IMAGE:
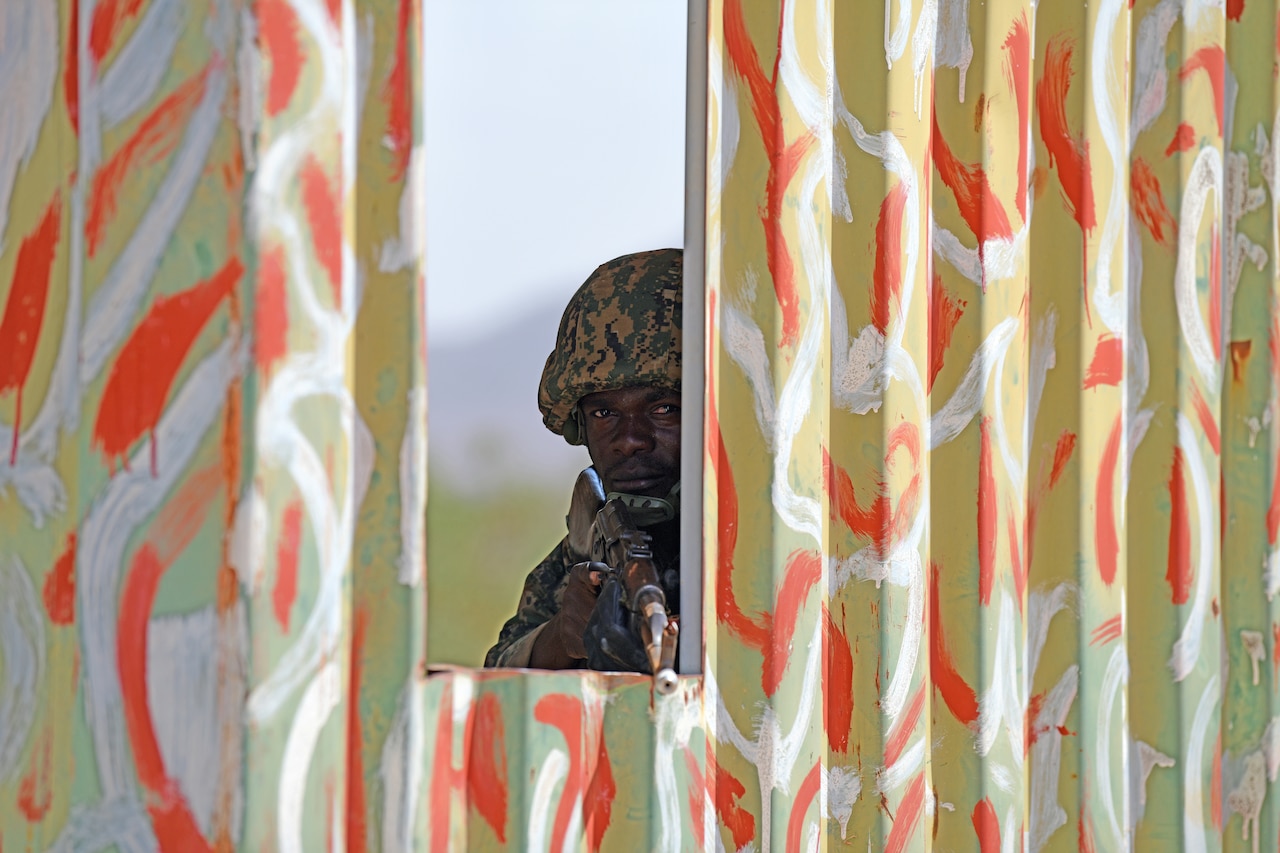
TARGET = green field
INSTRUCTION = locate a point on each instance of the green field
(479, 549)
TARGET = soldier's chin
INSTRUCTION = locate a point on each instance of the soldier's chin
(650, 487)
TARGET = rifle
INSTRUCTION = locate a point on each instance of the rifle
(602, 530)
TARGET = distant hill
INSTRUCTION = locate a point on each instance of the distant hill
(484, 427)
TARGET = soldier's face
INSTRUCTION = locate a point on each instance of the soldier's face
(633, 436)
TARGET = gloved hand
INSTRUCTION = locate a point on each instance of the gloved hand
(576, 607)
(611, 644)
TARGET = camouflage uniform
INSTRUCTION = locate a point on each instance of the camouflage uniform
(621, 329)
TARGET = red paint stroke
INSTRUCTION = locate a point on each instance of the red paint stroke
(35, 791)
(60, 586)
(1017, 72)
(1205, 416)
(987, 826)
(180, 519)
(959, 696)
(987, 516)
(487, 765)
(908, 817)
(1211, 59)
(729, 790)
(138, 385)
(1031, 720)
(1275, 649)
(399, 99)
(1148, 203)
(1107, 366)
(1015, 555)
(24, 309)
(837, 709)
(803, 571)
(108, 19)
(1240, 352)
(335, 11)
(174, 824)
(271, 341)
(869, 523)
(945, 310)
(1061, 456)
(901, 733)
(71, 73)
(442, 773)
(1084, 833)
(1106, 545)
(805, 795)
(156, 137)
(1070, 154)
(1179, 572)
(1235, 8)
(1111, 629)
(979, 207)
(324, 215)
(564, 712)
(697, 795)
(279, 28)
(357, 831)
(728, 612)
(784, 159)
(887, 274)
(286, 589)
(597, 800)
(1184, 139)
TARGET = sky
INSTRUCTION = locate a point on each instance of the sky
(555, 142)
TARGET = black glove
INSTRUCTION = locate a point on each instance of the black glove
(612, 645)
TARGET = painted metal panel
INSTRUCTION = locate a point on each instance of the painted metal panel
(990, 461)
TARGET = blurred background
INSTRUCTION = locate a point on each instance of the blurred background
(555, 142)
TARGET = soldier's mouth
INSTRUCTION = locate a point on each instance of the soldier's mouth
(637, 485)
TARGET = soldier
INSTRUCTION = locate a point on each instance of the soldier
(612, 383)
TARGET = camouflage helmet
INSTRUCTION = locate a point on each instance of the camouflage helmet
(622, 328)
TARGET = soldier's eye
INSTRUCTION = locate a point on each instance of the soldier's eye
(600, 413)
(667, 409)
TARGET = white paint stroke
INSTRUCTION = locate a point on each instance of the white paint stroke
(1041, 608)
(1205, 177)
(1150, 71)
(1271, 747)
(250, 103)
(1193, 822)
(843, 786)
(895, 35)
(1143, 760)
(1115, 676)
(554, 768)
(894, 700)
(136, 72)
(1187, 648)
(773, 753)
(894, 776)
(675, 719)
(401, 769)
(321, 696)
(130, 498)
(923, 44)
(247, 538)
(1043, 358)
(22, 661)
(28, 70)
(92, 827)
(1001, 256)
(954, 48)
(114, 306)
(413, 491)
(1003, 702)
(1109, 87)
(966, 401)
(744, 342)
(407, 250)
(182, 693)
(1046, 814)
(1246, 799)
